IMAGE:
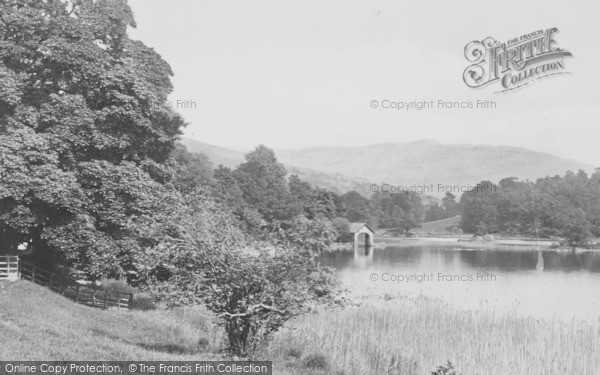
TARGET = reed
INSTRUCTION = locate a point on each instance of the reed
(414, 335)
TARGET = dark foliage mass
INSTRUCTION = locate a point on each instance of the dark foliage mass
(85, 132)
(253, 286)
(567, 207)
(448, 208)
(93, 183)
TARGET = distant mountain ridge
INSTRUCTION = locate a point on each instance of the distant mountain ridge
(344, 168)
(332, 181)
(428, 162)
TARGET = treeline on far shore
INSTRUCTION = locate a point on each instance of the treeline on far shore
(566, 206)
(260, 194)
(264, 198)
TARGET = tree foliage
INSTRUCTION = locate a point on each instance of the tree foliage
(400, 211)
(312, 202)
(85, 132)
(262, 180)
(192, 170)
(567, 207)
(253, 287)
(341, 225)
(316, 235)
(90, 177)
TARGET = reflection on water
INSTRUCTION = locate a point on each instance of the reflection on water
(540, 262)
(363, 256)
(518, 260)
(549, 284)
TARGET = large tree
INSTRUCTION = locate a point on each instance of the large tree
(262, 181)
(85, 131)
(314, 202)
(479, 211)
(401, 211)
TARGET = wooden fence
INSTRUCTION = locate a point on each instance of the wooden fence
(86, 295)
(9, 267)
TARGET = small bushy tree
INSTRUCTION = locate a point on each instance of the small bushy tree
(252, 287)
(341, 226)
(316, 235)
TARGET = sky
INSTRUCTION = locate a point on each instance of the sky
(292, 74)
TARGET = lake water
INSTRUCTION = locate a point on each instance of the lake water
(548, 284)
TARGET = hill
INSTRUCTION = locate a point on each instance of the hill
(429, 162)
(332, 181)
(218, 155)
(422, 163)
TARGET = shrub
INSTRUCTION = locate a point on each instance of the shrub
(143, 302)
(447, 369)
(203, 344)
(315, 362)
(317, 234)
(555, 245)
(294, 353)
(341, 226)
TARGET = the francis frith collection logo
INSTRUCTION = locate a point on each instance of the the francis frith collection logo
(515, 63)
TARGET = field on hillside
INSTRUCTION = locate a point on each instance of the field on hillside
(438, 227)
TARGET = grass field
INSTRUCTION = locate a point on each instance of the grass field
(397, 335)
(438, 227)
(37, 324)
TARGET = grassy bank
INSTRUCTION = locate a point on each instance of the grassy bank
(36, 324)
(415, 335)
(394, 336)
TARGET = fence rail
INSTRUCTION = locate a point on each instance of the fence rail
(9, 267)
(79, 293)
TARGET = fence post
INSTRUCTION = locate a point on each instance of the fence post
(77, 294)
(105, 298)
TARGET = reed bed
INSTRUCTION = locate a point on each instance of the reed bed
(414, 335)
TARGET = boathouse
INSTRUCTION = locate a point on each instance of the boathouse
(356, 230)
